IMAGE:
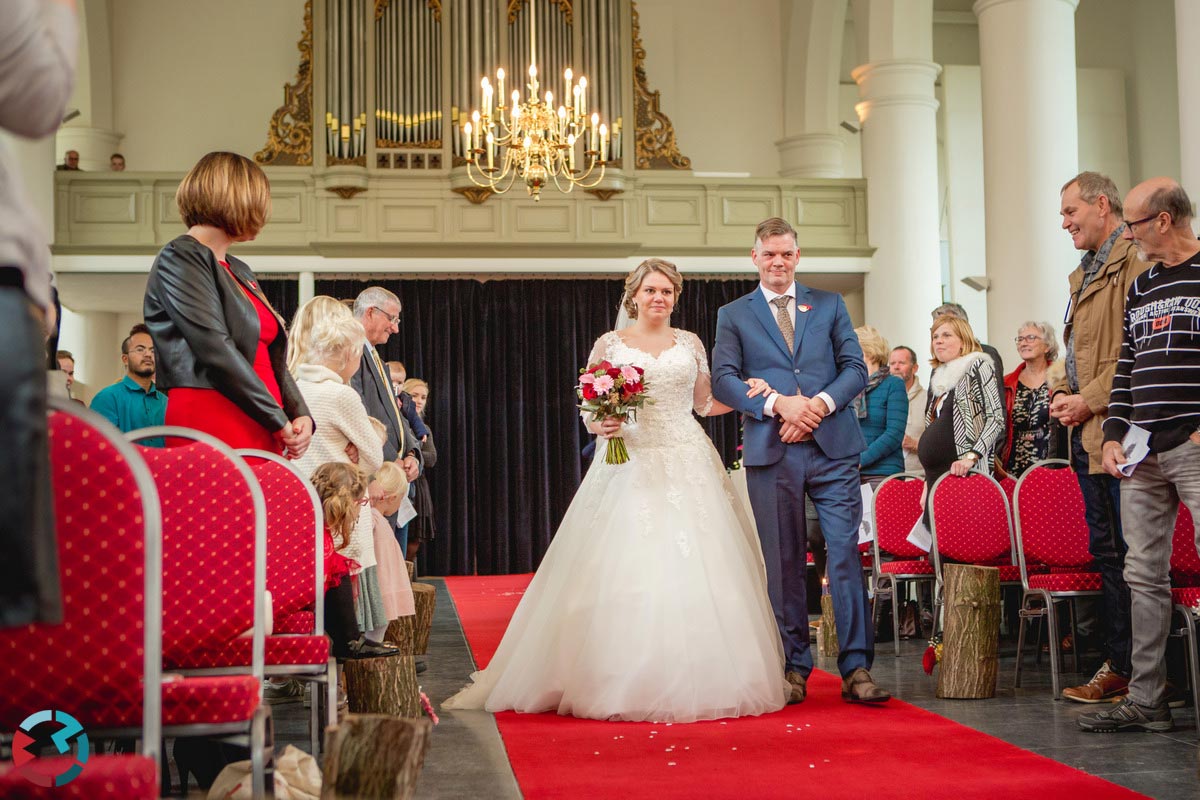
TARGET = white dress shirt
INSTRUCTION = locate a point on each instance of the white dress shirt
(769, 406)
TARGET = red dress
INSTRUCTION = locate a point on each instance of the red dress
(211, 412)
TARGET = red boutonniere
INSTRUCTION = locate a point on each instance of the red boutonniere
(803, 308)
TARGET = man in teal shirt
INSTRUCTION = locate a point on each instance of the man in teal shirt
(134, 402)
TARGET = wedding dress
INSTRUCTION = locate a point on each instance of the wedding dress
(651, 602)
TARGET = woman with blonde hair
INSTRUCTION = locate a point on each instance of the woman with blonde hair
(651, 602)
(332, 353)
(319, 308)
(964, 413)
(882, 410)
(221, 348)
(422, 529)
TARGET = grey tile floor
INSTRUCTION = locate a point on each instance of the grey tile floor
(467, 759)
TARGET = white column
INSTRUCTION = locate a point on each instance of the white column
(812, 56)
(1187, 28)
(1030, 149)
(898, 113)
(307, 286)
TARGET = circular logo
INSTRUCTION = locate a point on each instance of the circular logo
(50, 771)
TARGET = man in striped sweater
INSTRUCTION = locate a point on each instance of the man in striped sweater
(1156, 389)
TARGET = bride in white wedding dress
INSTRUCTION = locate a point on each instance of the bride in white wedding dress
(651, 601)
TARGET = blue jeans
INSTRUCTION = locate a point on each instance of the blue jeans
(1106, 543)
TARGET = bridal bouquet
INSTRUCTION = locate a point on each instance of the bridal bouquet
(608, 391)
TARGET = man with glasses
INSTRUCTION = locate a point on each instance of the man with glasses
(378, 311)
(134, 402)
(1091, 213)
(1155, 398)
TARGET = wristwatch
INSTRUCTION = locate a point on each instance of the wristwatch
(972, 456)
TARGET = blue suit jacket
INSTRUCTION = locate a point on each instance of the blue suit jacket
(827, 359)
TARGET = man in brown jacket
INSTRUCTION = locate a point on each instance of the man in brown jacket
(1091, 212)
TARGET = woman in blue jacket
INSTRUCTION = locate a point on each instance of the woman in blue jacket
(882, 410)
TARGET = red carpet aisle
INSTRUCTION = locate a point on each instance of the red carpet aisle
(822, 748)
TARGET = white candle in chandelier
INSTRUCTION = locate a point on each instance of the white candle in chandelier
(486, 86)
(568, 75)
(467, 140)
(500, 84)
(578, 108)
(491, 148)
(582, 96)
(478, 128)
(603, 142)
(617, 138)
(595, 131)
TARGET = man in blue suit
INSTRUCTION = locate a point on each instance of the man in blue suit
(803, 437)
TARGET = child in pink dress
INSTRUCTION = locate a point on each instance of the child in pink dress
(388, 487)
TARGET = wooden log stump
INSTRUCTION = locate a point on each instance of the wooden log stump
(383, 686)
(412, 570)
(827, 641)
(402, 633)
(971, 639)
(374, 756)
(425, 597)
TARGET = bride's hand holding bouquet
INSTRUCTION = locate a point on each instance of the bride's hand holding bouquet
(612, 395)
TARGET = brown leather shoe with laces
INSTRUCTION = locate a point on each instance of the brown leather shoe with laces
(1104, 686)
(860, 687)
(799, 686)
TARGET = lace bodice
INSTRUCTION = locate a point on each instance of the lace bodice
(678, 381)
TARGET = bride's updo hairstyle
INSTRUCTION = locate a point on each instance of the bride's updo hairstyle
(633, 281)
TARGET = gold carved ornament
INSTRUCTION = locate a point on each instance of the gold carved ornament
(514, 8)
(434, 5)
(289, 137)
(654, 143)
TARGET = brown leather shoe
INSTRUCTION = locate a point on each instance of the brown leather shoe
(1104, 687)
(799, 686)
(859, 687)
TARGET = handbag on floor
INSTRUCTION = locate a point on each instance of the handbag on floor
(297, 777)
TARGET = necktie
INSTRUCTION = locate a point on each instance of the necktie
(387, 384)
(785, 320)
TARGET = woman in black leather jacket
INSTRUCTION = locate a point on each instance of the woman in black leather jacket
(221, 348)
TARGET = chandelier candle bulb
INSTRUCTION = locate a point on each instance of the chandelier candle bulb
(491, 148)
(571, 152)
(595, 131)
(568, 75)
(603, 142)
(467, 140)
(583, 84)
(500, 83)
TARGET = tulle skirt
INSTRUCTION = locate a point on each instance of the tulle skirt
(650, 603)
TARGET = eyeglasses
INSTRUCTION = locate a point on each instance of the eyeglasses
(142, 350)
(391, 320)
(362, 501)
(1130, 223)
(1033, 337)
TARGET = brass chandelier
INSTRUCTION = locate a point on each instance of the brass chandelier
(534, 141)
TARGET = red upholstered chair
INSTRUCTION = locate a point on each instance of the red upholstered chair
(101, 664)
(897, 507)
(295, 577)
(971, 524)
(214, 582)
(1051, 531)
(1185, 596)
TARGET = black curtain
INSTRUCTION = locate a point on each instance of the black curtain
(502, 358)
(283, 294)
